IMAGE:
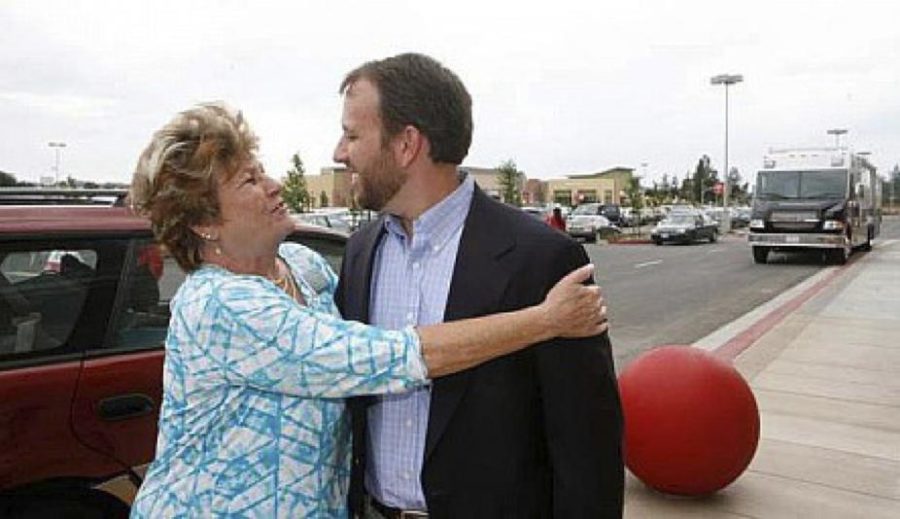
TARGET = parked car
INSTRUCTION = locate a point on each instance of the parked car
(81, 353)
(352, 219)
(587, 222)
(538, 212)
(611, 212)
(328, 220)
(685, 228)
(629, 217)
(740, 217)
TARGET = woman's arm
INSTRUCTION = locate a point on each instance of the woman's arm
(569, 310)
(258, 336)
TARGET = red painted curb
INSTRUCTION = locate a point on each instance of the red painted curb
(740, 342)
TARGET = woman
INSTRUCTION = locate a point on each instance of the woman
(556, 220)
(258, 360)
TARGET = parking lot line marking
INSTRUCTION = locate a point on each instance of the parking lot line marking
(646, 264)
(713, 250)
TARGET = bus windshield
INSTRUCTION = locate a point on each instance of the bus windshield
(789, 185)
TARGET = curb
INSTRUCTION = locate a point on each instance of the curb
(742, 340)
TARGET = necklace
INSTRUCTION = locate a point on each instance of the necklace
(286, 282)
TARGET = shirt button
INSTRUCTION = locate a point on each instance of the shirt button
(416, 265)
(406, 475)
(409, 423)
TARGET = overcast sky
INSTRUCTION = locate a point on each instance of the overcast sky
(560, 87)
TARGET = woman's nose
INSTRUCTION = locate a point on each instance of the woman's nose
(274, 185)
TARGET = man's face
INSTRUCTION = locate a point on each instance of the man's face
(377, 178)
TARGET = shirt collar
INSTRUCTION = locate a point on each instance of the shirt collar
(439, 222)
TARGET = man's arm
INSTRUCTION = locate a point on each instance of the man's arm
(583, 418)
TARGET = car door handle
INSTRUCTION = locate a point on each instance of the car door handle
(122, 407)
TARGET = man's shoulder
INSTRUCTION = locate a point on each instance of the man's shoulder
(527, 229)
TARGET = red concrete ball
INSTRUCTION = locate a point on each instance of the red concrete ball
(691, 421)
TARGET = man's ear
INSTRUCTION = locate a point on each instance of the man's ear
(411, 144)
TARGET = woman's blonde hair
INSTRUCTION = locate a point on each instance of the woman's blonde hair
(174, 184)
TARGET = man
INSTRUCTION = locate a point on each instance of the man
(534, 434)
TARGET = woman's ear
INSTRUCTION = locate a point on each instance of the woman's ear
(206, 232)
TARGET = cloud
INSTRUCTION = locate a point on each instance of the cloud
(69, 106)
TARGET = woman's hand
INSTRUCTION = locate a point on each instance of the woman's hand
(575, 310)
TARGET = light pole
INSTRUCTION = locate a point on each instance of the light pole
(727, 80)
(837, 132)
(56, 147)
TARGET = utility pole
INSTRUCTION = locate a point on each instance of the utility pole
(837, 132)
(57, 146)
(727, 80)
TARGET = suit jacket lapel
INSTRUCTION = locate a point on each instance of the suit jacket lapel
(479, 281)
(361, 266)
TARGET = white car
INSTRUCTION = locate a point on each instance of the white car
(588, 226)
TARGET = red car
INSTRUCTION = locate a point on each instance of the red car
(84, 309)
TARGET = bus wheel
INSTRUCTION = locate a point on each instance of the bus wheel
(868, 245)
(840, 256)
(760, 254)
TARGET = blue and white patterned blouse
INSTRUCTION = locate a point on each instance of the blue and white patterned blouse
(253, 422)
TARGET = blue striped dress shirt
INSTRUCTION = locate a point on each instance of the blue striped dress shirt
(410, 285)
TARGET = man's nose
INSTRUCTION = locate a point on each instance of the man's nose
(340, 152)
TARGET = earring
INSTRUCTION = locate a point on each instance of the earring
(209, 237)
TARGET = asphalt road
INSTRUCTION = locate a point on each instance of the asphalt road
(677, 294)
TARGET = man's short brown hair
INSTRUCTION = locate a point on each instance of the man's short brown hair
(416, 90)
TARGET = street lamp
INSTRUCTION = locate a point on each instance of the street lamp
(837, 132)
(56, 147)
(727, 80)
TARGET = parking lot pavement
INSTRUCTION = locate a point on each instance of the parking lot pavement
(825, 369)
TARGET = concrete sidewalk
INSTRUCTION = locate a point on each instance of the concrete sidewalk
(827, 382)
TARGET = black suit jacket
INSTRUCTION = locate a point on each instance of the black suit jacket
(533, 434)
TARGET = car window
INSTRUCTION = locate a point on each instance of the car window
(331, 250)
(585, 209)
(149, 282)
(152, 278)
(43, 292)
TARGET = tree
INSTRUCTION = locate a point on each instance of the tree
(294, 192)
(704, 178)
(510, 181)
(7, 179)
(635, 196)
(687, 191)
(737, 191)
(892, 191)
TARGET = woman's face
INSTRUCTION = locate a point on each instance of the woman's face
(254, 218)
